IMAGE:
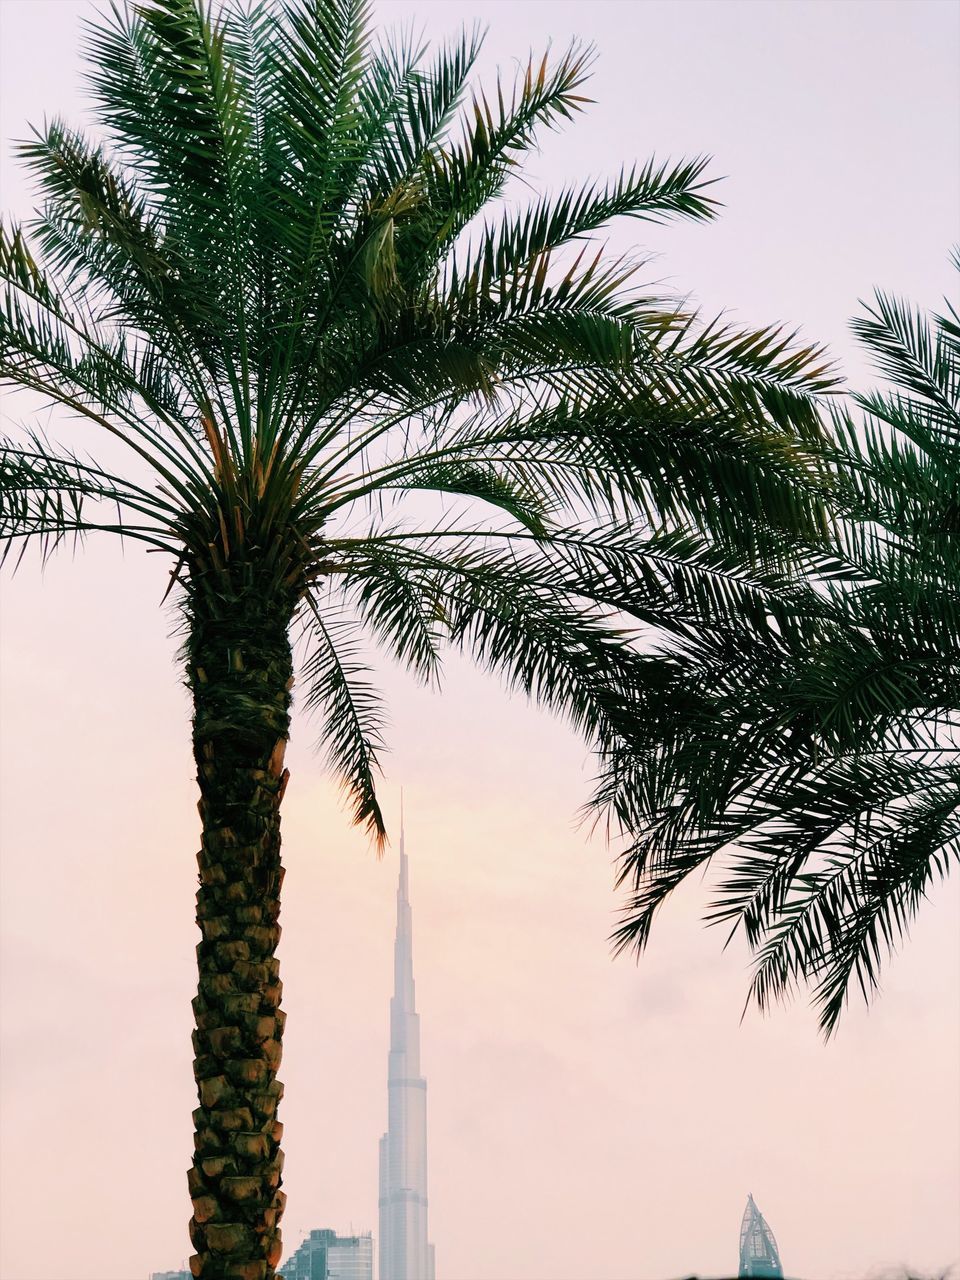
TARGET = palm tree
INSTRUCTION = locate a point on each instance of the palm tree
(270, 290)
(822, 769)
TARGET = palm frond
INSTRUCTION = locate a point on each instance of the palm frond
(822, 771)
(46, 495)
(338, 686)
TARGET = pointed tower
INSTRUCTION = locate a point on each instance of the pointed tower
(758, 1248)
(405, 1253)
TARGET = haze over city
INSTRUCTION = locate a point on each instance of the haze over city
(590, 1118)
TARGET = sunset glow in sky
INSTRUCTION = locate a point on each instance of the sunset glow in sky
(589, 1118)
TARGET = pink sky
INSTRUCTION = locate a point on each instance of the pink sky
(589, 1119)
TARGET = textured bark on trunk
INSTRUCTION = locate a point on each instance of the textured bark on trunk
(240, 673)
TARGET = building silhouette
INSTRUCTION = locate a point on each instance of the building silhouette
(326, 1256)
(405, 1253)
(758, 1248)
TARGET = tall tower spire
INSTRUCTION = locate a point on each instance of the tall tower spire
(405, 1253)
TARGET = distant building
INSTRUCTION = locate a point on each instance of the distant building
(171, 1275)
(758, 1248)
(405, 1250)
(326, 1256)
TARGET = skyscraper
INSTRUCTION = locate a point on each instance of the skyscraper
(758, 1248)
(326, 1256)
(405, 1253)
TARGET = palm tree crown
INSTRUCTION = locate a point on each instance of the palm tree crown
(291, 290)
(271, 287)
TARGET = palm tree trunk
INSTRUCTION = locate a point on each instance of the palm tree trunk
(240, 673)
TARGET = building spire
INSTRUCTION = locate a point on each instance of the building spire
(404, 887)
(405, 1252)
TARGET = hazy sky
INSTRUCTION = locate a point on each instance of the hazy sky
(589, 1120)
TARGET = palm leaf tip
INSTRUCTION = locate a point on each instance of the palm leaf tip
(338, 687)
